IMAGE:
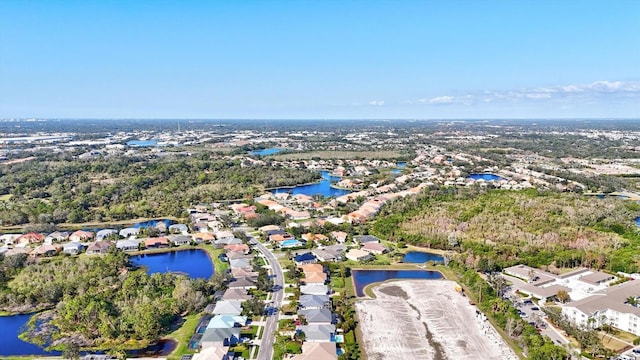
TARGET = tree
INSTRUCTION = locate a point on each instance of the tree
(562, 296)
(71, 351)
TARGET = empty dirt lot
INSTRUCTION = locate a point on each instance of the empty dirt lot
(426, 319)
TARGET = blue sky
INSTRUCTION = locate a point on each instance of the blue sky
(319, 59)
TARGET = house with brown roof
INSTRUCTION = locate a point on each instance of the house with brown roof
(44, 250)
(99, 248)
(30, 238)
(375, 248)
(81, 235)
(156, 243)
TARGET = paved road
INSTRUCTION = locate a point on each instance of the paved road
(268, 336)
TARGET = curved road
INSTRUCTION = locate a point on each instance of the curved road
(268, 336)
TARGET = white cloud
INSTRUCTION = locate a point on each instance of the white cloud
(594, 89)
(376, 102)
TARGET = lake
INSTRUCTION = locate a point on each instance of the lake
(153, 223)
(638, 221)
(10, 328)
(485, 177)
(265, 152)
(143, 143)
(323, 187)
(419, 257)
(193, 262)
(362, 278)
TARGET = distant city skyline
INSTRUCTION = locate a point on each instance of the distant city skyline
(319, 60)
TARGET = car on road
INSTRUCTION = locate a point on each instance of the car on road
(636, 351)
(527, 302)
(535, 308)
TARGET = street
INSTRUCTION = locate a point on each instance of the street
(266, 345)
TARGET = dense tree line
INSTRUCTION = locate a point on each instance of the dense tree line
(493, 229)
(77, 191)
(100, 301)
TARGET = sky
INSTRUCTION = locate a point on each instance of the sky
(332, 59)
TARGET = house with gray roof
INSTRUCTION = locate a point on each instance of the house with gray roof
(228, 307)
(104, 233)
(129, 232)
(128, 245)
(179, 240)
(219, 337)
(179, 228)
(241, 283)
(236, 294)
(317, 316)
(314, 289)
(72, 248)
(315, 302)
(240, 263)
(318, 332)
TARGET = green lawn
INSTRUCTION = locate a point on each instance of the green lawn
(183, 335)
(6, 197)
(215, 256)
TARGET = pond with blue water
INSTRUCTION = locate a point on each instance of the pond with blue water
(143, 143)
(420, 257)
(486, 177)
(362, 278)
(10, 328)
(193, 262)
(153, 223)
(322, 187)
(265, 152)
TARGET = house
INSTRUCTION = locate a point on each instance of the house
(211, 353)
(30, 238)
(306, 258)
(219, 244)
(242, 272)
(179, 240)
(72, 248)
(219, 337)
(314, 302)
(317, 334)
(314, 289)
(9, 239)
(99, 248)
(179, 229)
(236, 294)
(374, 248)
(128, 245)
(129, 232)
(358, 255)
(56, 236)
(268, 228)
(156, 243)
(81, 235)
(224, 234)
(240, 263)
(241, 283)
(325, 256)
(228, 307)
(203, 237)
(317, 316)
(161, 227)
(363, 239)
(339, 236)
(314, 278)
(227, 321)
(234, 255)
(44, 250)
(240, 248)
(104, 233)
(17, 251)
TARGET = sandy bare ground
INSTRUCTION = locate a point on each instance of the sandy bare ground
(426, 319)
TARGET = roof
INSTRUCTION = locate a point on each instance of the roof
(613, 298)
(228, 307)
(98, 246)
(316, 350)
(597, 277)
(239, 263)
(220, 334)
(366, 238)
(236, 294)
(304, 257)
(72, 245)
(312, 268)
(310, 301)
(357, 253)
(317, 315)
(374, 247)
(156, 241)
(314, 289)
(128, 243)
(226, 321)
(314, 277)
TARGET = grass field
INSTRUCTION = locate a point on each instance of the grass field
(6, 197)
(182, 335)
